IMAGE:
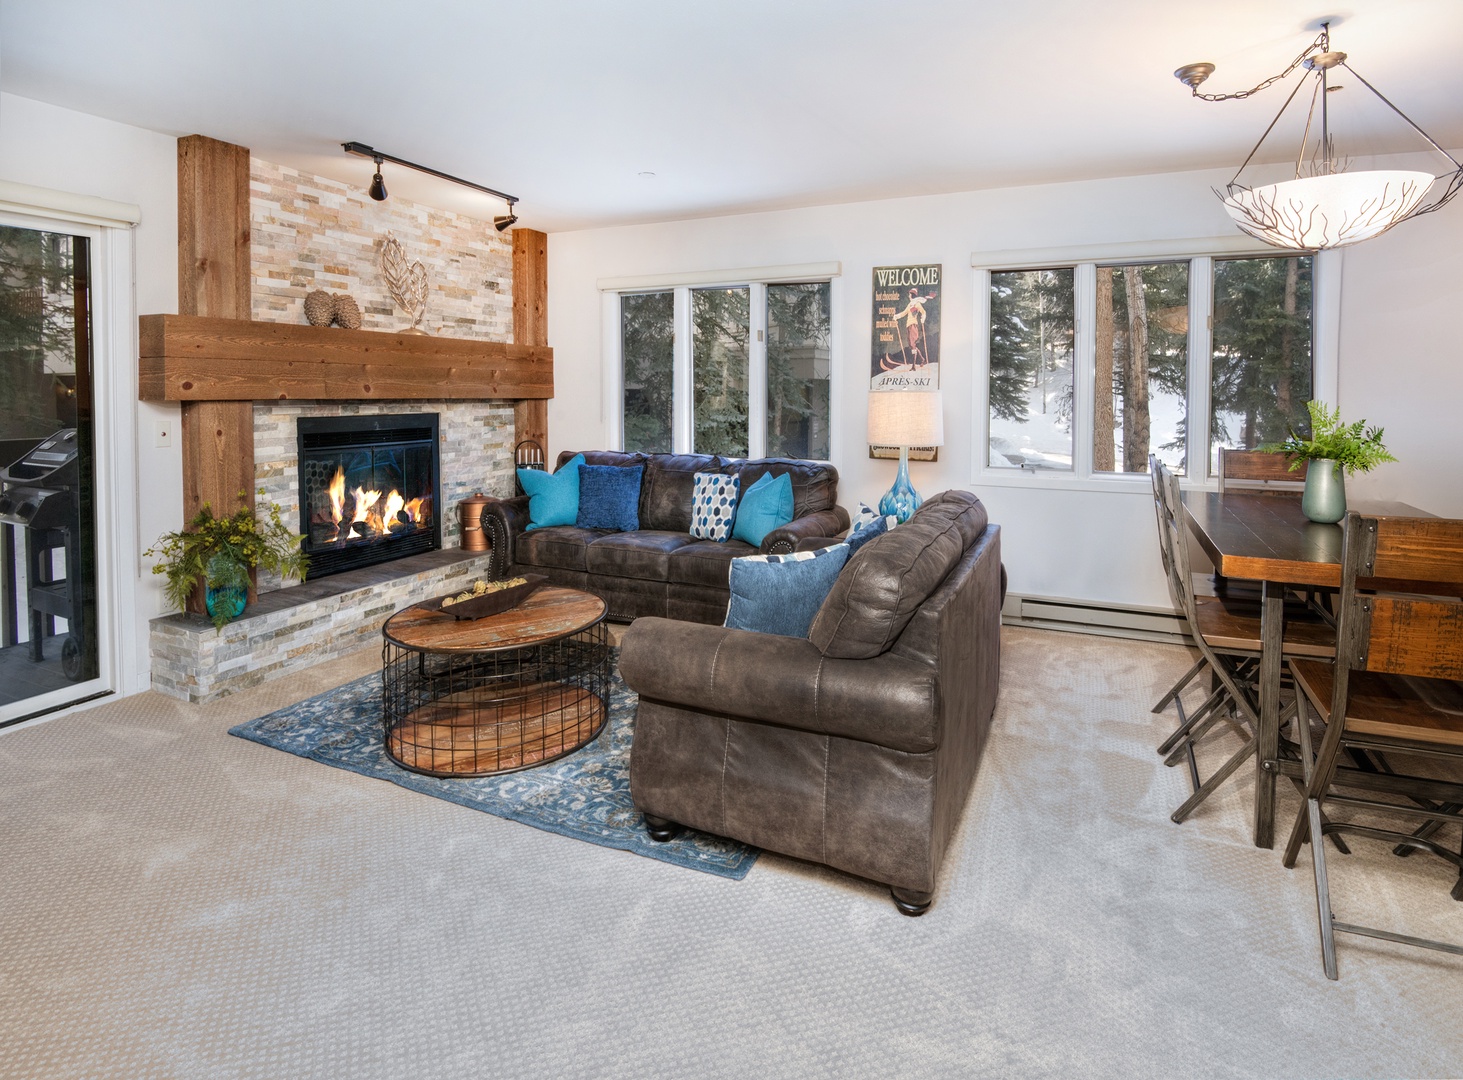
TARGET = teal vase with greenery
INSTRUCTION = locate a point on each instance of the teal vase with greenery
(1332, 450)
(219, 553)
(1324, 498)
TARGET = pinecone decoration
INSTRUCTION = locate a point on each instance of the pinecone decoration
(320, 308)
(347, 311)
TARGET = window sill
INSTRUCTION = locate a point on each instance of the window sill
(1045, 480)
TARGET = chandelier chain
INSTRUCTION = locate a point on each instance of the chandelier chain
(1322, 43)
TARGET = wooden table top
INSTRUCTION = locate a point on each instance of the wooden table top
(549, 613)
(1266, 537)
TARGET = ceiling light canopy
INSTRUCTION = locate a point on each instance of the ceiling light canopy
(377, 190)
(1325, 205)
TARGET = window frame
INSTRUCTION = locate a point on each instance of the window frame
(1200, 253)
(755, 280)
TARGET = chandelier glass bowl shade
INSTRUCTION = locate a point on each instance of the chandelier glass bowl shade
(1316, 212)
(1326, 205)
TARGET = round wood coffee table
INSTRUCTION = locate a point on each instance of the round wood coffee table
(473, 697)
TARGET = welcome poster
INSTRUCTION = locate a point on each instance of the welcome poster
(906, 353)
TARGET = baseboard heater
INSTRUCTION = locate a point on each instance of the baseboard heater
(1094, 617)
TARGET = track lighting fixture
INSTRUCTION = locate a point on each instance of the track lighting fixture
(377, 190)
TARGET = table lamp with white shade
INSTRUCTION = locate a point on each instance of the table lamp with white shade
(905, 418)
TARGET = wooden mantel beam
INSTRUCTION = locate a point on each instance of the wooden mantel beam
(190, 358)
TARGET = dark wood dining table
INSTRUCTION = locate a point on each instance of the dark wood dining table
(1265, 537)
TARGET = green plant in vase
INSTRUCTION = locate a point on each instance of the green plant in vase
(219, 553)
(1333, 449)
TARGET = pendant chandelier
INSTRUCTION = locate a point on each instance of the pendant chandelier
(1325, 205)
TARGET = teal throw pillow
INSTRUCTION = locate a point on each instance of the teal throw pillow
(765, 506)
(553, 498)
(780, 594)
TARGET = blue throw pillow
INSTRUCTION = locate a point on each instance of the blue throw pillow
(609, 497)
(780, 594)
(765, 506)
(713, 505)
(553, 498)
(861, 536)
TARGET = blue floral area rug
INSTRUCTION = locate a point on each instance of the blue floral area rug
(585, 795)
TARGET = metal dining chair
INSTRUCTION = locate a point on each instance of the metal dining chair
(1229, 646)
(1394, 690)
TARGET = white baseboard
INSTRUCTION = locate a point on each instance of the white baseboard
(1095, 617)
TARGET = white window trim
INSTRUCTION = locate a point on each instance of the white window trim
(108, 227)
(1200, 252)
(755, 280)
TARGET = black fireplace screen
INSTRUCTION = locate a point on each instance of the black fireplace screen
(368, 489)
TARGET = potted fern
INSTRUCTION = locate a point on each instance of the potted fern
(1332, 450)
(219, 553)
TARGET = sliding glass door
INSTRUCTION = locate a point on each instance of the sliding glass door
(48, 566)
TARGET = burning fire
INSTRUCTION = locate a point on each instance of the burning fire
(373, 513)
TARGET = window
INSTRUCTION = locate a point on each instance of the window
(749, 377)
(721, 323)
(1260, 375)
(646, 336)
(798, 366)
(1093, 366)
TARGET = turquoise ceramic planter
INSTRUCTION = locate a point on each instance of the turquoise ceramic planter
(1325, 495)
(228, 602)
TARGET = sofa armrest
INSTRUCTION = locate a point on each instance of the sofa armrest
(504, 521)
(819, 523)
(890, 700)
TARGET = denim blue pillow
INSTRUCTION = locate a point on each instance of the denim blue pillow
(765, 506)
(553, 498)
(609, 497)
(780, 594)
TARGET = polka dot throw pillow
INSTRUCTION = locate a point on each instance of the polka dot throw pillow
(714, 506)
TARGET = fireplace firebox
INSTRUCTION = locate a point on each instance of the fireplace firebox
(369, 489)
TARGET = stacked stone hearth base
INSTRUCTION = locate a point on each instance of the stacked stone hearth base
(289, 629)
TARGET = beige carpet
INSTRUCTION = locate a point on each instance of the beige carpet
(177, 902)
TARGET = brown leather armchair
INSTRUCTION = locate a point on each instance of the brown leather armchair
(855, 747)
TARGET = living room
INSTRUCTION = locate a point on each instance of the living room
(627, 208)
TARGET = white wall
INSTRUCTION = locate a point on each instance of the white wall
(1398, 366)
(68, 151)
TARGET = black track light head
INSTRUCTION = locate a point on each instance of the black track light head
(502, 223)
(377, 190)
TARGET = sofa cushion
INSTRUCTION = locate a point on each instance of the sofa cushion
(713, 505)
(874, 599)
(765, 506)
(558, 545)
(669, 485)
(780, 594)
(707, 562)
(609, 497)
(644, 554)
(553, 498)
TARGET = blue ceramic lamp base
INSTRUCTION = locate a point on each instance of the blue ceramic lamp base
(901, 500)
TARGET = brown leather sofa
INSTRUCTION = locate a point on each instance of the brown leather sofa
(855, 747)
(660, 569)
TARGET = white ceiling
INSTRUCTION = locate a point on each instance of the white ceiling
(733, 106)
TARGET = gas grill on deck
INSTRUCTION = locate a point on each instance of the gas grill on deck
(39, 493)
